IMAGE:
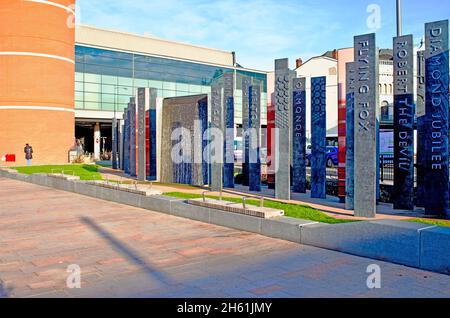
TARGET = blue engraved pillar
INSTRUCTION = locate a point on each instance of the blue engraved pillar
(246, 83)
(404, 111)
(114, 143)
(126, 141)
(152, 92)
(350, 136)
(133, 145)
(299, 135)
(318, 137)
(142, 98)
(436, 137)
(255, 138)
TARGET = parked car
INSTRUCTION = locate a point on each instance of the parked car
(331, 160)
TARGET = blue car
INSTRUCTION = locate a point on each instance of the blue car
(331, 160)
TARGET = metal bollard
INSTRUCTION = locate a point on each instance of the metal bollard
(220, 195)
(244, 205)
(204, 196)
(261, 202)
(135, 185)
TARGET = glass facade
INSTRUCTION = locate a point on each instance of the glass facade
(105, 80)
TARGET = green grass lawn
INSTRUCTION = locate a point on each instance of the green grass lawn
(85, 172)
(291, 210)
(445, 223)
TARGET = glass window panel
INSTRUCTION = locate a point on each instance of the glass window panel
(92, 97)
(167, 93)
(79, 77)
(206, 89)
(123, 99)
(91, 105)
(125, 81)
(140, 83)
(121, 106)
(79, 67)
(92, 78)
(169, 86)
(125, 90)
(79, 96)
(79, 104)
(124, 72)
(108, 89)
(180, 93)
(91, 87)
(182, 87)
(109, 98)
(79, 86)
(108, 107)
(106, 79)
(197, 89)
(155, 84)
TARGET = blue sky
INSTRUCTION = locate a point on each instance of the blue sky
(260, 31)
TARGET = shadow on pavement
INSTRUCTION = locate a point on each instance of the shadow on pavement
(5, 292)
(129, 253)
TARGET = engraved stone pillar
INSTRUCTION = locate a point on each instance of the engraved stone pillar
(366, 68)
(228, 95)
(299, 135)
(120, 144)
(282, 124)
(126, 141)
(436, 120)
(421, 130)
(152, 95)
(404, 111)
(133, 145)
(141, 102)
(350, 137)
(217, 125)
(114, 141)
(318, 137)
(255, 138)
(246, 83)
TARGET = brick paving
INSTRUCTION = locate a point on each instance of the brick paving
(129, 252)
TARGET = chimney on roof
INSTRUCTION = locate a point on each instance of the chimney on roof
(335, 54)
(298, 63)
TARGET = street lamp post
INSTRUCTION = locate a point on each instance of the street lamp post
(399, 18)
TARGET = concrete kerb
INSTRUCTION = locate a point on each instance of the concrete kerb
(406, 243)
(284, 228)
(435, 249)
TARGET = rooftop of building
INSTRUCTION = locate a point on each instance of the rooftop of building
(150, 45)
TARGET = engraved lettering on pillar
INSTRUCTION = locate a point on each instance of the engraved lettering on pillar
(282, 123)
(366, 68)
(436, 118)
(350, 136)
(299, 135)
(404, 110)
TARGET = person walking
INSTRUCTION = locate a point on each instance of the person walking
(28, 154)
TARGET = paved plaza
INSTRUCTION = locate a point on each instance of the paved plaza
(129, 252)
